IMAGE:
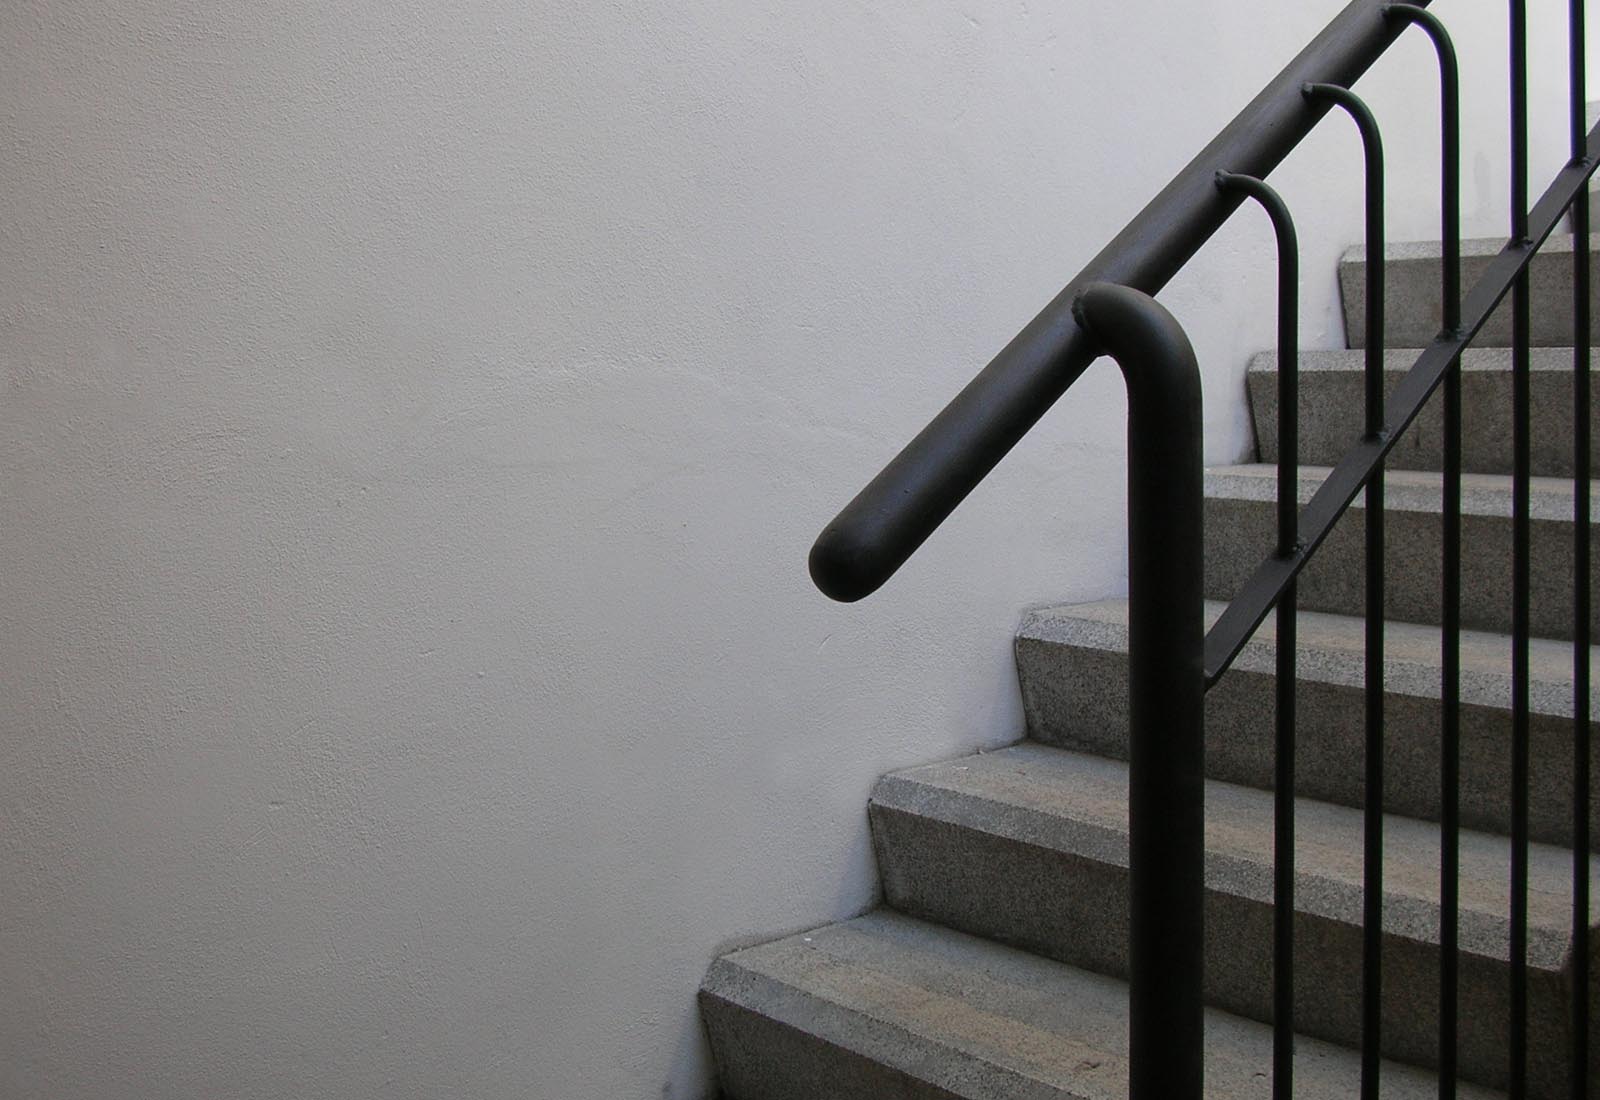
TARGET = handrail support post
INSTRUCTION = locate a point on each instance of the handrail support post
(1166, 636)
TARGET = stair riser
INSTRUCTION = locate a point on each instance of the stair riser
(1331, 422)
(1239, 533)
(1412, 314)
(1074, 909)
(760, 1058)
(1077, 697)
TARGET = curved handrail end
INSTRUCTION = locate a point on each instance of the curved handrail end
(842, 565)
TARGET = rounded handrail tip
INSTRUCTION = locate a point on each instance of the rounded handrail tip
(840, 567)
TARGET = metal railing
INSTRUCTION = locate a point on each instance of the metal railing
(1173, 660)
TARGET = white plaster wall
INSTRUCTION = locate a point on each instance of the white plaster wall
(413, 421)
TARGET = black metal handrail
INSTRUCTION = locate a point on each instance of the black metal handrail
(1106, 310)
(877, 531)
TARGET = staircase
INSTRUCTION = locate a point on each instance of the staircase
(996, 967)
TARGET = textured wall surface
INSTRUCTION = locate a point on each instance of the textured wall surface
(413, 420)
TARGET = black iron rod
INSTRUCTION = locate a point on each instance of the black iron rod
(1255, 600)
(895, 513)
(1450, 587)
(1372, 854)
(1166, 628)
(1582, 596)
(1517, 1080)
(1283, 908)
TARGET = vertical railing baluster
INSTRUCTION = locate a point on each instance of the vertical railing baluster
(1450, 557)
(1372, 881)
(1288, 542)
(1520, 560)
(1450, 633)
(1579, 1079)
(1372, 856)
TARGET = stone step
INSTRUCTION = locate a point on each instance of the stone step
(1332, 396)
(1412, 313)
(1028, 846)
(1073, 667)
(1241, 529)
(887, 1006)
